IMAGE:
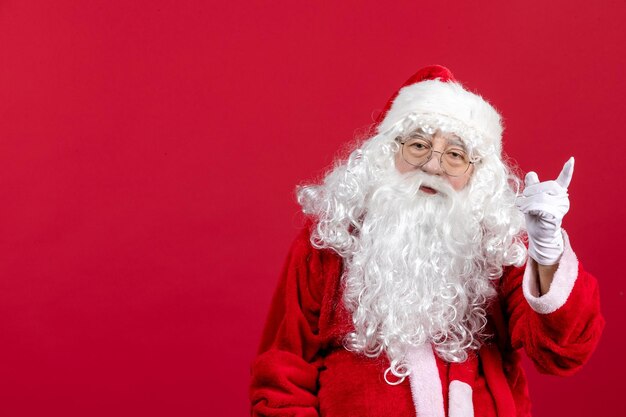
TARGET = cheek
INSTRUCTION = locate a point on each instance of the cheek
(458, 183)
(401, 165)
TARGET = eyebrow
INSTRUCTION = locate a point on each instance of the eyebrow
(419, 131)
(455, 140)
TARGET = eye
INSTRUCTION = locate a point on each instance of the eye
(456, 154)
(419, 145)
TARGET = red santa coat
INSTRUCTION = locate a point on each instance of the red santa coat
(303, 369)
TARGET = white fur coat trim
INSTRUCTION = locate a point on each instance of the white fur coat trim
(562, 284)
(425, 382)
(460, 400)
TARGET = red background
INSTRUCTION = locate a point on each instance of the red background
(149, 153)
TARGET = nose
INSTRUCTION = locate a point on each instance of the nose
(433, 165)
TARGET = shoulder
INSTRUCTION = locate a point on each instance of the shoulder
(303, 247)
(314, 267)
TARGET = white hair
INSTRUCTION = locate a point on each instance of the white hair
(417, 268)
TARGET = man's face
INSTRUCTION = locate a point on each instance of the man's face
(440, 142)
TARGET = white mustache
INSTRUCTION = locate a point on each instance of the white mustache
(420, 178)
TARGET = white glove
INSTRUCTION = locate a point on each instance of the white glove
(544, 204)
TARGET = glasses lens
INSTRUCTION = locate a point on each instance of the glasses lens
(416, 151)
(455, 161)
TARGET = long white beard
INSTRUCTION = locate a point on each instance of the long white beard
(416, 274)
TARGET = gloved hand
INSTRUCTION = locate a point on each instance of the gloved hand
(544, 204)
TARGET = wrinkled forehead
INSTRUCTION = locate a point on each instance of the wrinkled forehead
(451, 138)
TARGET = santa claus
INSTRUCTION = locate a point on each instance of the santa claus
(411, 291)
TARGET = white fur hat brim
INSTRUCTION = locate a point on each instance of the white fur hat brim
(449, 107)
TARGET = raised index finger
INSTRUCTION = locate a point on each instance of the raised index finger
(565, 177)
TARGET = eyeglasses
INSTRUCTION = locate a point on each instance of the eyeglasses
(417, 150)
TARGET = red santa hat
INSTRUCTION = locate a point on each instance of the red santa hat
(432, 98)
